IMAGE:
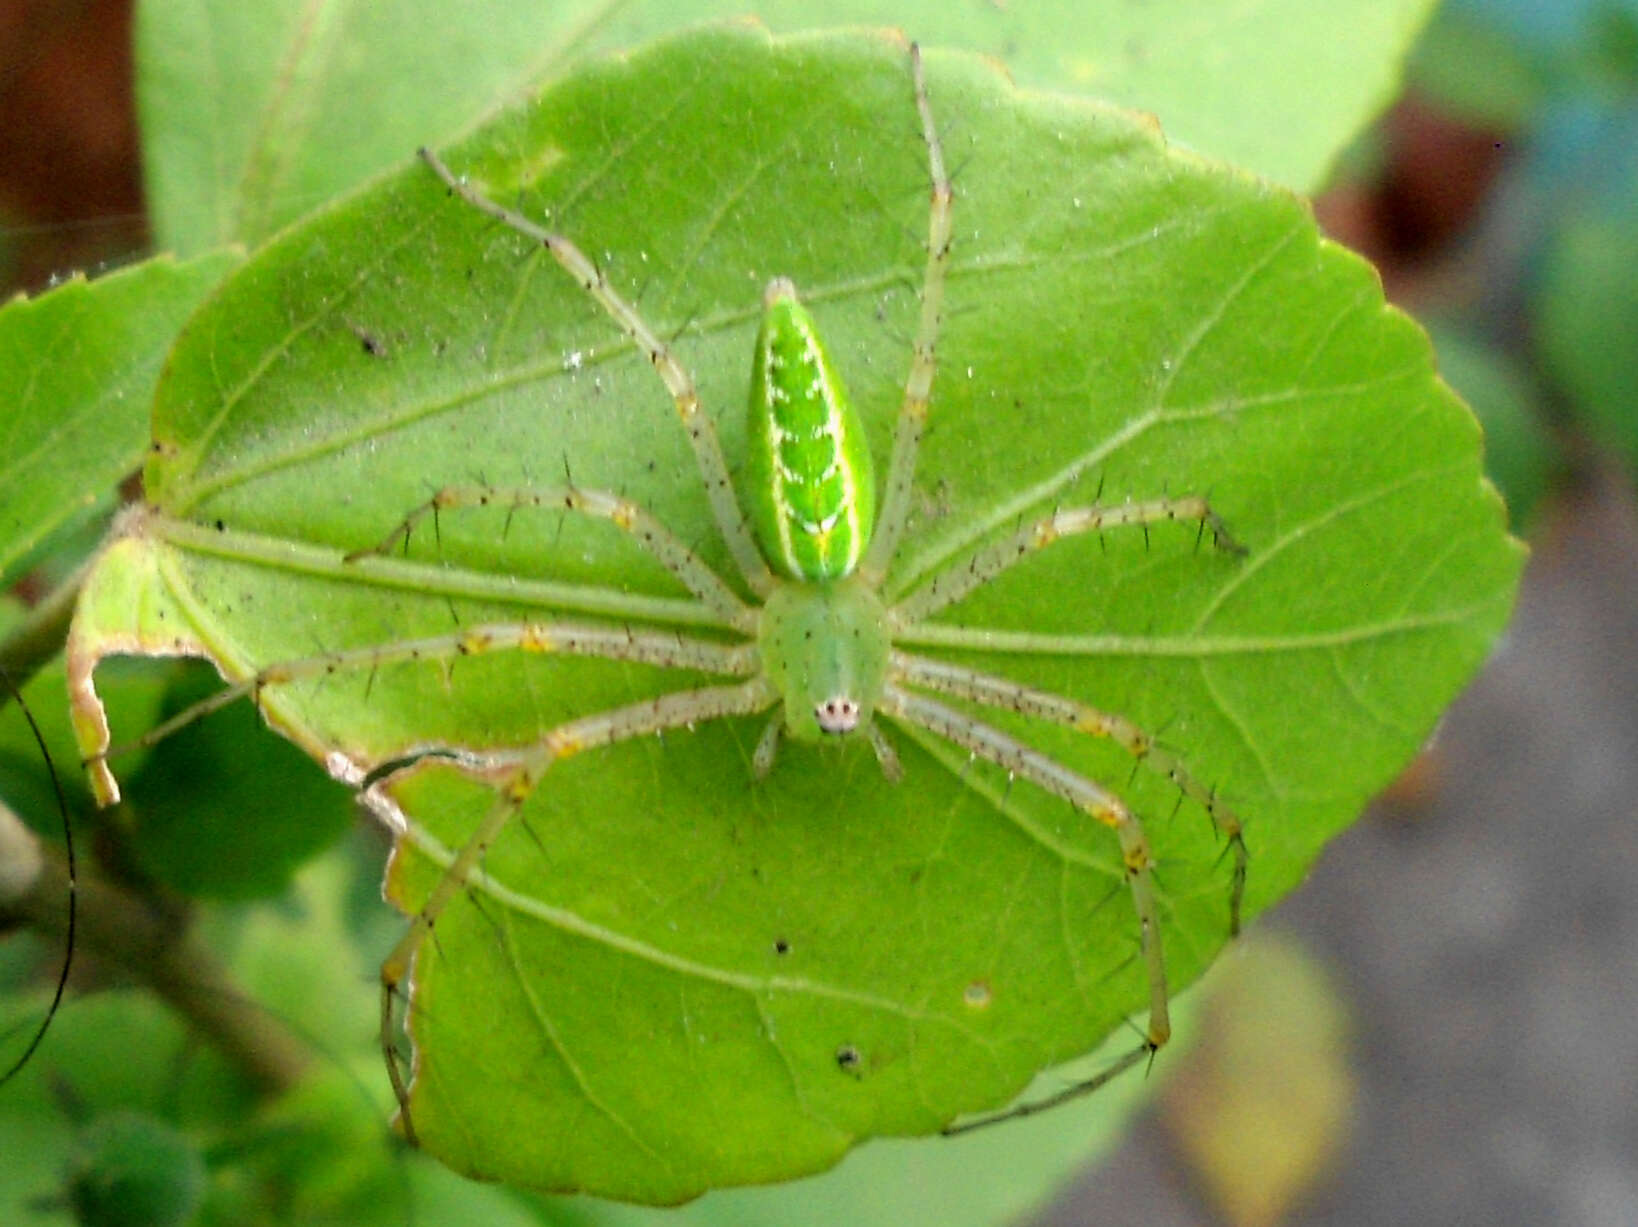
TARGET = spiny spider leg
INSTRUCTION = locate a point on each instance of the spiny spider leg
(886, 755)
(665, 546)
(959, 579)
(667, 711)
(964, 683)
(666, 648)
(767, 745)
(918, 384)
(702, 431)
(1087, 1086)
(987, 742)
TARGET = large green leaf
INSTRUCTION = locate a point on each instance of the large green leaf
(254, 113)
(984, 1178)
(645, 991)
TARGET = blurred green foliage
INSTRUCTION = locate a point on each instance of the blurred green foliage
(1551, 334)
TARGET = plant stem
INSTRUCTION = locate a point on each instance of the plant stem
(130, 933)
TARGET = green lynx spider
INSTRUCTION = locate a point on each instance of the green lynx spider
(817, 649)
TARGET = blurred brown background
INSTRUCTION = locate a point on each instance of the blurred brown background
(70, 185)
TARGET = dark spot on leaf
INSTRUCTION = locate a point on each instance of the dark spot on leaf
(369, 341)
(848, 1059)
(781, 946)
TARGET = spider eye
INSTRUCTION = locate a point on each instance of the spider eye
(838, 714)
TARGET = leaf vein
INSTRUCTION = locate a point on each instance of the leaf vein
(567, 921)
(548, 1030)
(988, 639)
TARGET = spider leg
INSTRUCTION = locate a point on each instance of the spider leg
(702, 432)
(989, 743)
(886, 755)
(961, 682)
(528, 767)
(660, 542)
(918, 384)
(767, 745)
(957, 580)
(654, 647)
(1085, 1087)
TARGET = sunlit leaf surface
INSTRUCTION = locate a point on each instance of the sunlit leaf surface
(649, 989)
(253, 114)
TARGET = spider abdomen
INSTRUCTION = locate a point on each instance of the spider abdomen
(811, 492)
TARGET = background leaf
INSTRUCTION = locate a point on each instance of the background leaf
(182, 822)
(79, 363)
(668, 955)
(1588, 314)
(321, 1155)
(324, 96)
